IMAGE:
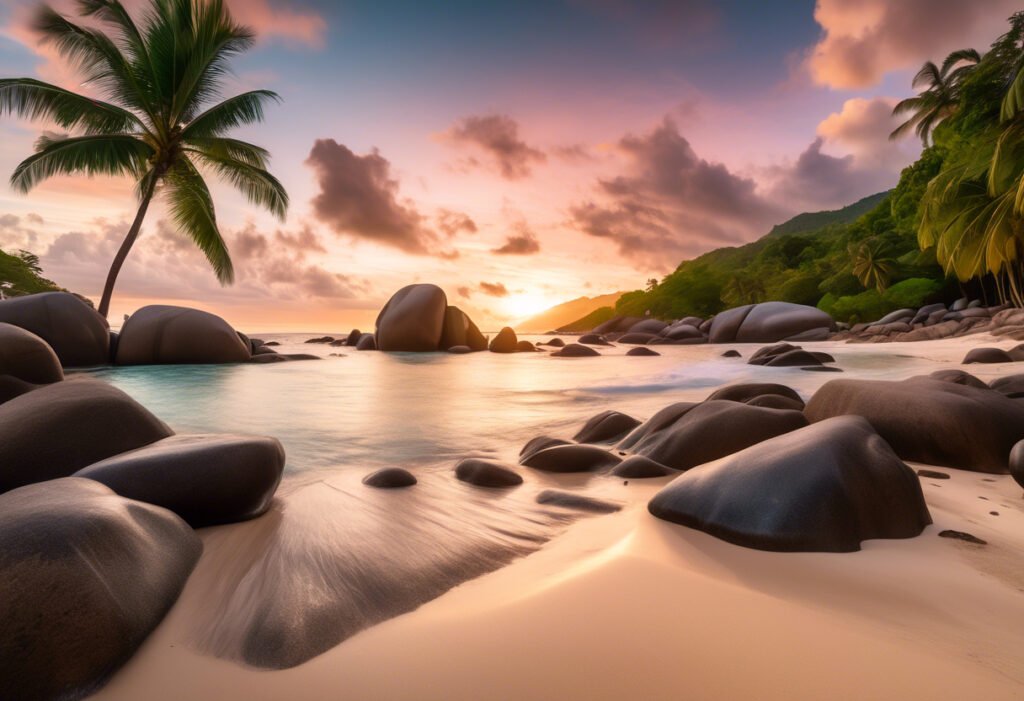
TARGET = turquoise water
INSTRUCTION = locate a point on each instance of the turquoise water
(370, 409)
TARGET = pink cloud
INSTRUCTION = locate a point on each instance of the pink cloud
(863, 40)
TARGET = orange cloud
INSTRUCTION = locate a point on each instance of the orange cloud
(865, 39)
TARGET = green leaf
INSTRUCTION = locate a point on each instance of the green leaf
(191, 207)
(107, 154)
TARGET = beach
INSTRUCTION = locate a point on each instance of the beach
(628, 606)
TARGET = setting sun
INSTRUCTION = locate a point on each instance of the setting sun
(522, 305)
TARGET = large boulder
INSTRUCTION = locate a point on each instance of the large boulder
(930, 421)
(367, 342)
(712, 430)
(165, 335)
(767, 322)
(11, 387)
(27, 357)
(651, 326)
(987, 355)
(413, 319)
(85, 576)
(78, 335)
(486, 473)
(746, 391)
(823, 488)
(505, 341)
(459, 330)
(58, 429)
(206, 479)
(618, 323)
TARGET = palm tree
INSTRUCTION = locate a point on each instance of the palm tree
(940, 99)
(870, 264)
(158, 125)
(742, 290)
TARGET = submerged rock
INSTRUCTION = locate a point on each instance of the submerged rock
(575, 350)
(593, 339)
(85, 576)
(930, 421)
(714, 429)
(823, 488)
(642, 350)
(538, 444)
(207, 479)
(412, 320)
(27, 357)
(571, 458)
(367, 342)
(525, 347)
(58, 429)
(390, 478)
(606, 426)
(567, 500)
(556, 343)
(76, 333)
(486, 473)
(159, 335)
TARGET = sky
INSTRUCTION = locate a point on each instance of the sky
(516, 153)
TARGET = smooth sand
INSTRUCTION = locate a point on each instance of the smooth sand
(628, 607)
(625, 606)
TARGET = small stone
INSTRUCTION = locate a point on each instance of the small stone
(960, 535)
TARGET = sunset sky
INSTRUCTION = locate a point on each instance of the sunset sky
(519, 154)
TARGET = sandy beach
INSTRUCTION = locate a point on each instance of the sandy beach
(628, 606)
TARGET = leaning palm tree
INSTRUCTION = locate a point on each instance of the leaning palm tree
(158, 125)
(941, 97)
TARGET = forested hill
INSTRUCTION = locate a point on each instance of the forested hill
(811, 221)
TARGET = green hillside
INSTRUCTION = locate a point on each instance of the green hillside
(20, 274)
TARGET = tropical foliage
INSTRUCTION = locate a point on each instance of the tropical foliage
(20, 274)
(159, 123)
(953, 225)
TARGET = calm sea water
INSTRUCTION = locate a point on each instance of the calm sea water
(371, 409)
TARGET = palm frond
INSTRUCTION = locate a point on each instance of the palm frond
(107, 154)
(223, 147)
(236, 111)
(131, 40)
(191, 207)
(259, 186)
(971, 56)
(928, 75)
(34, 99)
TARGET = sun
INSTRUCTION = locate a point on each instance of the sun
(523, 305)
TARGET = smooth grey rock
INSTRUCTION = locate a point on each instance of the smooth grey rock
(571, 458)
(27, 357)
(207, 479)
(505, 341)
(161, 335)
(85, 576)
(390, 478)
(605, 427)
(486, 473)
(78, 335)
(575, 350)
(459, 330)
(412, 320)
(823, 488)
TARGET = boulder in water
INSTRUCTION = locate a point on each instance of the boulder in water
(648, 326)
(746, 391)
(539, 443)
(76, 333)
(640, 467)
(27, 357)
(85, 576)
(159, 335)
(486, 473)
(505, 341)
(571, 458)
(822, 488)
(604, 427)
(575, 350)
(987, 355)
(367, 342)
(390, 478)
(412, 320)
(642, 351)
(459, 330)
(577, 502)
(593, 339)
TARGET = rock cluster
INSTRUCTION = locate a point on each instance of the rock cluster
(97, 496)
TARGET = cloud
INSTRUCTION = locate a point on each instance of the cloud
(863, 40)
(464, 292)
(163, 263)
(451, 223)
(494, 289)
(870, 162)
(15, 235)
(359, 198)
(270, 19)
(671, 203)
(523, 243)
(497, 136)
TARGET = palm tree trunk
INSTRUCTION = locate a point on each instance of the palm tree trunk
(126, 245)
